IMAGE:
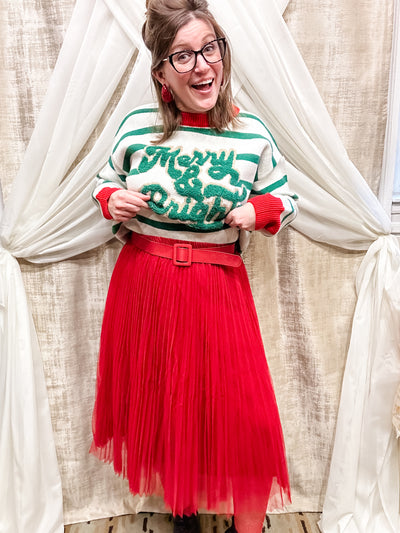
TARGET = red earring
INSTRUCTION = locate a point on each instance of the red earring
(166, 95)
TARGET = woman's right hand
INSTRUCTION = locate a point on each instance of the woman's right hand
(124, 204)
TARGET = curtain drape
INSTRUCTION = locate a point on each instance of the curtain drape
(337, 208)
(396, 413)
(30, 487)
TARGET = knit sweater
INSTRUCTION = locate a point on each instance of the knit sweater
(196, 177)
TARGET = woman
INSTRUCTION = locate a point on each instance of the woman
(185, 406)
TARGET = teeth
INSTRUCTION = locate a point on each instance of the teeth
(204, 82)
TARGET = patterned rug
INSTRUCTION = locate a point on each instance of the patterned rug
(162, 523)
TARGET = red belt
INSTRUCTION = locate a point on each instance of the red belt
(183, 254)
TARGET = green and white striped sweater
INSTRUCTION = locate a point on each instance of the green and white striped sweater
(196, 177)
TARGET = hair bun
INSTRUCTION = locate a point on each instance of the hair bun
(164, 18)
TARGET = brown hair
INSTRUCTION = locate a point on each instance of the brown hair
(164, 18)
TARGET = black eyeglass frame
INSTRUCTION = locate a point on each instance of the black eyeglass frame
(196, 53)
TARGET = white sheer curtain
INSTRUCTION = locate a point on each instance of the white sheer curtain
(392, 137)
(30, 486)
(337, 207)
(64, 221)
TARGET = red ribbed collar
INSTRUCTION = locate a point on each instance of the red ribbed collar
(199, 120)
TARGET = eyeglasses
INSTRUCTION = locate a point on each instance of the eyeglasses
(186, 60)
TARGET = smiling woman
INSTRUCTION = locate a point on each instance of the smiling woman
(196, 85)
(216, 98)
(185, 406)
(306, 331)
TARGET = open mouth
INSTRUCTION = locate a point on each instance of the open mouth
(203, 86)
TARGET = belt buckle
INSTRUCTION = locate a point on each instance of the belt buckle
(176, 257)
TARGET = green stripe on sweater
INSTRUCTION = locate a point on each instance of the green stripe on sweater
(254, 117)
(140, 131)
(272, 187)
(252, 158)
(128, 154)
(173, 227)
(137, 112)
(291, 212)
(224, 134)
(122, 177)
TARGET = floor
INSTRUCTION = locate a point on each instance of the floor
(162, 523)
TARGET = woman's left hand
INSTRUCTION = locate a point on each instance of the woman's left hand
(243, 217)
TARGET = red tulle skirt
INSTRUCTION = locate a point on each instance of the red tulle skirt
(185, 406)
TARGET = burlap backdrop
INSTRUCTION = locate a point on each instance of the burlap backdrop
(304, 291)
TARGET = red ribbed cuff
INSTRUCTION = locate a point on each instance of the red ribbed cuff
(102, 197)
(268, 210)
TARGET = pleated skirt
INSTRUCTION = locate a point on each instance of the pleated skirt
(185, 406)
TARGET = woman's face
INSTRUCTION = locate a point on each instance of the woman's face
(195, 91)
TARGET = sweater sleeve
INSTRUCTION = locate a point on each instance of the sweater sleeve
(268, 210)
(273, 201)
(110, 178)
(102, 198)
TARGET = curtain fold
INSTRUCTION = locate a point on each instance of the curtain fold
(337, 207)
(363, 487)
(396, 413)
(390, 156)
(30, 486)
(64, 221)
